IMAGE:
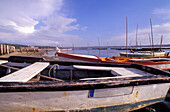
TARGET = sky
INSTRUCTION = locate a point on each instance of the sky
(83, 22)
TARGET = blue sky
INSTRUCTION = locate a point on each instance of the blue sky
(82, 22)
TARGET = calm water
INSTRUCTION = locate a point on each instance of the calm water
(101, 53)
(160, 107)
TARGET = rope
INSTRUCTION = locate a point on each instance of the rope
(54, 68)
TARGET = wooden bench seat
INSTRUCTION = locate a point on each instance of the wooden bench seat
(26, 73)
(3, 61)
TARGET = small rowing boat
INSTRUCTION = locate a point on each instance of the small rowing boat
(75, 86)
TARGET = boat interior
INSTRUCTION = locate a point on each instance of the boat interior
(32, 74)
(73, 71)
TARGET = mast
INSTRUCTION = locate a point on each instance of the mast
(99, 45)
(161, 43)
(152, 37)
(150, 41)
(107, 49)
(126, 36)
(73, 47)
(136, 37)
(88, 48)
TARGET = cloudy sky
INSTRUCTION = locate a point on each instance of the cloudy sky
(83, 22)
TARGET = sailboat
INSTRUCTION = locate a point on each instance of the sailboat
(145, 54)
(149, 53)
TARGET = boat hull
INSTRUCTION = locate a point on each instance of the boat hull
(120, 99)
(136, 54)
(90, 58)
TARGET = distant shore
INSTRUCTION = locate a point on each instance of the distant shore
(31, 54)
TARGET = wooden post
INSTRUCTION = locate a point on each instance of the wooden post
(1, 49)
(4, 49)
(7, 49)
(71, 74)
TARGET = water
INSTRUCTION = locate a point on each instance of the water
(101, 53)
(160, 107)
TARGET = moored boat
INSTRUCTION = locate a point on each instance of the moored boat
(145, 54)
(90, 58)
(119, 59)
(82, 87)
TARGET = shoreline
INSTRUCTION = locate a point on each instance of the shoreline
(31, 54)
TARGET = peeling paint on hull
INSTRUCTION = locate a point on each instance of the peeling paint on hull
(79, 100)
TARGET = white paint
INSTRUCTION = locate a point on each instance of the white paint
(26, 73)
(79, 100)
(84, 56)
(3, 61)
(150, 59)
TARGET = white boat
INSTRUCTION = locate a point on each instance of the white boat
(82, 87)
(144, 54)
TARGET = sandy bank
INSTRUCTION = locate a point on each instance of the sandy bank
(32, 54)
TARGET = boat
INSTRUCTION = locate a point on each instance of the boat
(78, 86)
(151, 52)
(118, 59)
(145, 54)
(145, 49)
(90, 58)
(139, 60)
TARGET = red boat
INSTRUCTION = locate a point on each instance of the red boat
(116, 59)
(90, 58)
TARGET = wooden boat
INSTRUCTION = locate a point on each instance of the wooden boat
(118, 59)
(90, 58)
(79, 86)
(138, 60)
(145, 54)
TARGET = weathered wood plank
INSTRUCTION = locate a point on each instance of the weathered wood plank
(26, 73)
(3, 61)
(130, 71)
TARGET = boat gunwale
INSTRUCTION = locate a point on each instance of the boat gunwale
(159, 76)
(79, 57)
(80, 85)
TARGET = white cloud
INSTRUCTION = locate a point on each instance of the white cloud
(59, 24)
(84, 28)
(20, 17)
(143, 36)
(162, 13)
